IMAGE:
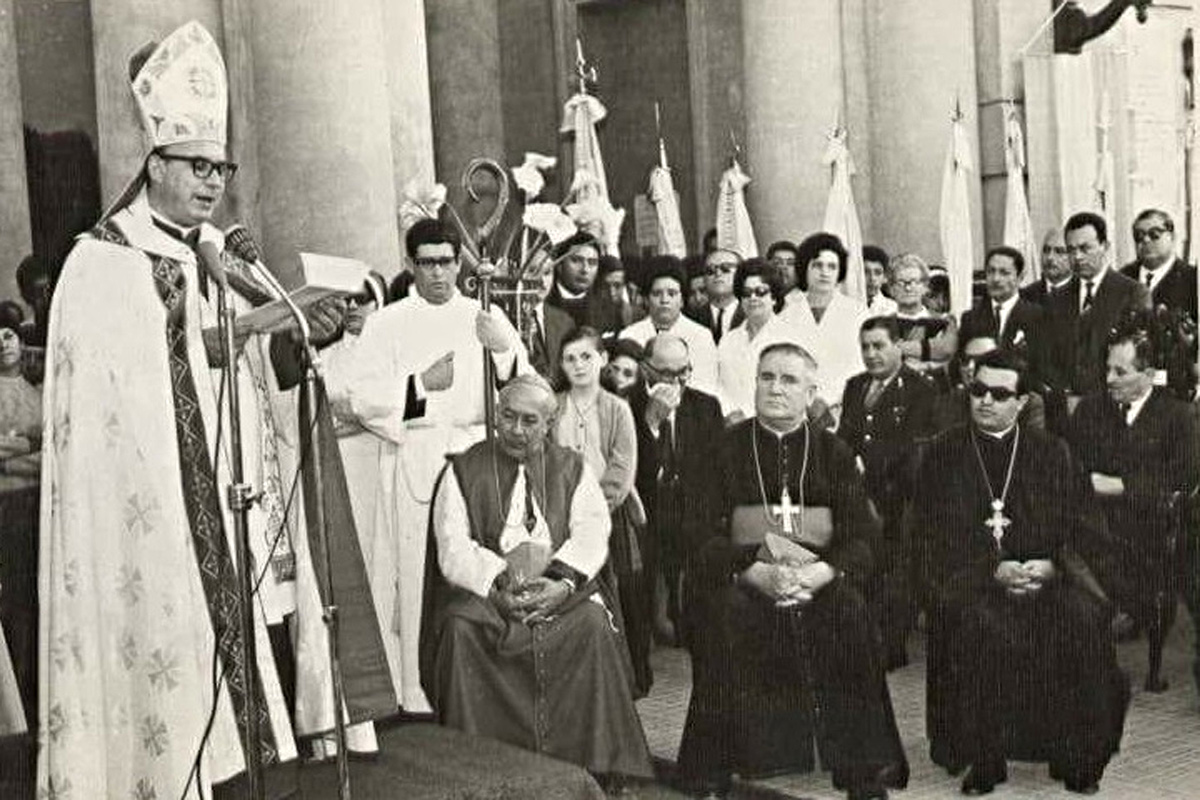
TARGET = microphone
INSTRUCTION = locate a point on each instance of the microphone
(210, 257)
(239, 242)
(1142, 6)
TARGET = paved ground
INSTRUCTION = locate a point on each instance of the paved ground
(1159, 758)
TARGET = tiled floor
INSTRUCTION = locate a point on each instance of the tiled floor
(1159, 758)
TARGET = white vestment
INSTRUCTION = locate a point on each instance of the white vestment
(127, 651)
(400, 341)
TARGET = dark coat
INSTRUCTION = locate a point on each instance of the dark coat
(698, 429)
(1057, 335)
(558, 324)
(704, 316)
(1111, 299)
(584, 311)
(1022, 332)
(1176, 293)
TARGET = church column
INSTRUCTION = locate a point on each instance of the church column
(14, 194)
(922, 56)
(408, 90)
(793, 94)
(465, 86)
(324, 132)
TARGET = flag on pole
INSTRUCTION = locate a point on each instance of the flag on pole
(1018, 225)
(841, 214)
(593, 210)
(1106, 168)
(958, 245)
(671, 240)
(734, 231)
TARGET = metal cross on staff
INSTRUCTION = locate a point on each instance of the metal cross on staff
(585, 73)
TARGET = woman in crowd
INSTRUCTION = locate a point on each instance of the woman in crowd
(827, 320)
(929, 339)
(758, 287)
(600, 427)
(623, 372)
(20, 410)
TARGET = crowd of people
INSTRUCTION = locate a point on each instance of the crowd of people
(724, 453)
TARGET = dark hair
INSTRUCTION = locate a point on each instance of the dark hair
(578, 334)
(657, 267)
(431, 231)
(578, 239)
(11, 315)
(398, 289)
(709, 241)
(624, 347)
(693, 266)
(782, 244)
(1011, 252)
(1085, 218)
(1003, 358)
(882, 323)
(758, 268)
(31, 269)
(1147, 213)
(608, 265)
(875, 253)
(810, 248)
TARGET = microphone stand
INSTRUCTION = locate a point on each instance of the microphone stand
(329, 611)
(239, 497)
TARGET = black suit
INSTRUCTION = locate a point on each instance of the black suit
(884, 437)
(1176, 292)
(1022, 330)
(679, 512)
(1112, 297)
(705, 317)
(584, 310)
(544, 355)
(1153, 457)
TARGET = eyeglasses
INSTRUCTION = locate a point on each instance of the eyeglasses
(909, 283)
(668, 375)
(1153, 234)
(430, 263)
(758, 291)
(1000, 394)
(720, 269)
(1056, 251)
(203, 167)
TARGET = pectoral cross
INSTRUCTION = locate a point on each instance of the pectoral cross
(785, 510)
(997, 521)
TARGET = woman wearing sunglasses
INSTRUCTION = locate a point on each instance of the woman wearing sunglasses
(758, 288)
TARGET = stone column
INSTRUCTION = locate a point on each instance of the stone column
(119, 28)
(465, 86)
(922, 55)
(408, 92)
(14, 193)
(793, 94)
(325, 134)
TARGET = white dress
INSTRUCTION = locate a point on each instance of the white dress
(737, 362)
(833, 341)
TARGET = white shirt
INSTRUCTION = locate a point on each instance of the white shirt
(1004, 310)
(737, 362)
(1083, 282)
(701, 349)
(881, 305)
(724, 314)
(469, 565)
(833, 341)
(1135, 408)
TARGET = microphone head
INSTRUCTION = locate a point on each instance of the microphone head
(210, 258)
(239, 242)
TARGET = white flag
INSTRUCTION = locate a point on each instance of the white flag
(1018, 225)
(734, 231)
(841, 214)
(958, 245)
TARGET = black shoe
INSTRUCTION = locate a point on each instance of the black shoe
(1082, 785)
(982, 778)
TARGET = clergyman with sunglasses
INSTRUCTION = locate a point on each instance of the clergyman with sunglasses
(1020, 660)
(1171, 282)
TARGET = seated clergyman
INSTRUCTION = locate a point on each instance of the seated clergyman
(1021, 663)
(520, 640)
(785, 651)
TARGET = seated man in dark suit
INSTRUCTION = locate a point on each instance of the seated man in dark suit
(885, 412)
(784, 649)
(1138, 445)
(1171, 282)
(679, 431)
(1021, 661)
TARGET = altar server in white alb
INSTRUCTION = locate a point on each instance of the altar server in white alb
(416, 380)
(139, 602)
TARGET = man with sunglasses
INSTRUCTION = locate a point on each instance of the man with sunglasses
(1171, 282)
(722, 312)
(1021, 663)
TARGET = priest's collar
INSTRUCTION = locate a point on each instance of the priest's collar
(778, 434)
(567, 294)
(999, 436)
(174, 230)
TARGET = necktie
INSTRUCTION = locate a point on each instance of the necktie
(530, 515)
(1149, 279)
(999, 324)
(873, 393)
(719, 327)
(666, 440)
(1087, 295)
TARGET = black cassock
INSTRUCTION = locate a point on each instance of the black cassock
(1031, 678)
(768, 682)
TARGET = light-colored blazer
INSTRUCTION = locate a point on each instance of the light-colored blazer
(618, 445)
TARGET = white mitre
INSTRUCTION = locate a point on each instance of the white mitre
(182, 91)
